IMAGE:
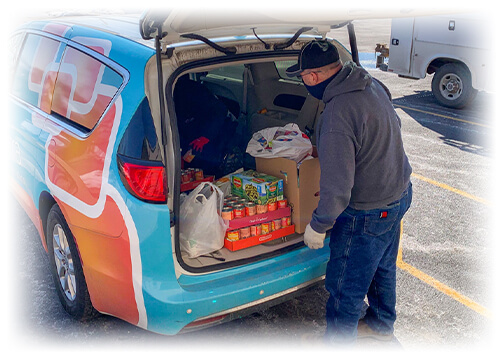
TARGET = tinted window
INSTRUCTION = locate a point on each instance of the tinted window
(84, 88)
(281, 67)
(139, 140)
(15, 44)
(36, 71)
(232, 72)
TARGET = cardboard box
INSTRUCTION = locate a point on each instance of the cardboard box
(257, 187)
(257, 240)
(258, 218)
(300, 186)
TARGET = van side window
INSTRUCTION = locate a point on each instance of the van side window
(234, 72)
(84, 89)
(15, 43)
(281, 67)
(36, 71)
(140, 140)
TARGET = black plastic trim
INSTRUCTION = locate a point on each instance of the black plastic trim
(225, 50)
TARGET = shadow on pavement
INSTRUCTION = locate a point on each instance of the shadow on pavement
(467, 129)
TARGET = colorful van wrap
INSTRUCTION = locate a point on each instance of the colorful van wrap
(74, 93)
(62, 80)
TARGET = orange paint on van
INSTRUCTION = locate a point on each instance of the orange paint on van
(111, 287)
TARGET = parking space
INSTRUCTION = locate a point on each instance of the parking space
(444, 280)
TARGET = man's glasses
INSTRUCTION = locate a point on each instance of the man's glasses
(301, 76)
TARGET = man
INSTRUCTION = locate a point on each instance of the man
(365, 190)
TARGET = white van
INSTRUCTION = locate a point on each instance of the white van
(452, 47)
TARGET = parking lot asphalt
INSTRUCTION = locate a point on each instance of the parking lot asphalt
(445, 267)
(445, 275)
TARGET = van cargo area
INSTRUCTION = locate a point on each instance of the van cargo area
(218, 109)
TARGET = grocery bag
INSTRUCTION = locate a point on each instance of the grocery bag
(287, 142)
(202, 229)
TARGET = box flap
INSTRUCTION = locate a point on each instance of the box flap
(283, 168)
(309, 173)
(303, 201)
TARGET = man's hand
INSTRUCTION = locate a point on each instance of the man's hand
(199, 143)
(314, 240)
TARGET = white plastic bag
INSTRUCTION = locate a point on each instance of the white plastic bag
(202, 229)
(287, 142)
(224, 183)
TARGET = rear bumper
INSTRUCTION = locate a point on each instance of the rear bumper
(199, 301)
(252, 307)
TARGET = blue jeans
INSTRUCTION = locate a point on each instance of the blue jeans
(364, 248)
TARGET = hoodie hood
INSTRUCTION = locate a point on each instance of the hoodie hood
(350, 78)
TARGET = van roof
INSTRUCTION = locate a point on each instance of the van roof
(123, 25)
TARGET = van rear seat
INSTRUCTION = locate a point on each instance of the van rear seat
(307, 116)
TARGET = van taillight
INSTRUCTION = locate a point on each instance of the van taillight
(147, 181)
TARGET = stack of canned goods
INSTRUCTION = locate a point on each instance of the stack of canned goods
(236, 207)
(258, 229)
(191, 174)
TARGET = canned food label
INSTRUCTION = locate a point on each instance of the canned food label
(282, 204)
(244, 232)
(233, 235)
(265, 228)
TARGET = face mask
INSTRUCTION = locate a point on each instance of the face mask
(318, 90)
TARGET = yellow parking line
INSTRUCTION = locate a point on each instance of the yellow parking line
(443, 288)
(439, 115)
(454, 190)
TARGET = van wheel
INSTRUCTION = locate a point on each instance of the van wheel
(452, 86)
(67, 269)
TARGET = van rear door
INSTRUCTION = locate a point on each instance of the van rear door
(401, 46)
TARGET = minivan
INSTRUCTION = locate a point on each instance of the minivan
(97, 156)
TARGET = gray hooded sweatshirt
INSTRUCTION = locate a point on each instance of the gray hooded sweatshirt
(360, 149)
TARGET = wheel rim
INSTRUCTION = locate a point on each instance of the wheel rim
(451, 86)
(64, 262)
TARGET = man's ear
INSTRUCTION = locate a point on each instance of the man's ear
(315, 78)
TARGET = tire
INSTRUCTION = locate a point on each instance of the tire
(66, 268)
(452, 86)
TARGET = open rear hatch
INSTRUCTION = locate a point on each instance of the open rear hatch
(257, 95)
(223, 32)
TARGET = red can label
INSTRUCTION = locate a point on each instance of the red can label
(250, 209)
(244, 232)
(286, 221)
(276, 224)
(272, 206)
(282, 204)
(185, 177)
(198, 174)
(227, 213)
(255, 230)
(239, 211)
(262, 209)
